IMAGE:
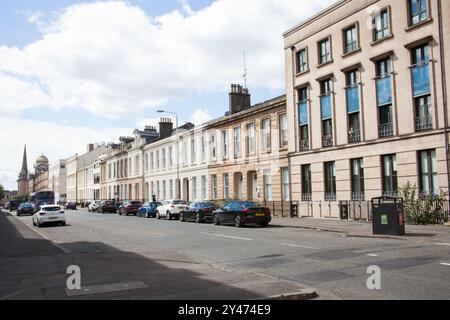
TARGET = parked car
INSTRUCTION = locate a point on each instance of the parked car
(107, 206)
(12, 205)
(49, 214)
(130, 207)
(241, 213)
(25, 208)
(94, 205)
(198, 212)
(148, 209)
(171, 209)
(70, 206)
(118, 204)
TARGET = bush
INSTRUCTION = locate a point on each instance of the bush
(426, 209)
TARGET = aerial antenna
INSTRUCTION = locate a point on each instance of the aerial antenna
(245, 72)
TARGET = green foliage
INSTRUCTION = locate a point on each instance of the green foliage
(426, 209)
(2, 192)
(21, 198)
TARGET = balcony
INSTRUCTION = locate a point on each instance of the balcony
(330, 196)
(392, 194)
(424, 123)
(358, 196)
(386, 130)
(327, 141)
(354, 136)
(306, 197)
(304, 145)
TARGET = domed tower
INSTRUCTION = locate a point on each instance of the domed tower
(41, 164)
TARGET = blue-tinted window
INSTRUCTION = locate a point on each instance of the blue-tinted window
(421, 70)
(384, 92)
(352, 91)
(418, 11)
(325, 99)
(303, 106)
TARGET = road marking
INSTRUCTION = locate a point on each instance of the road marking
(441, 244)
(298, 246)
(224, 236)
(445, 264)
(104, 288)
(372, 255)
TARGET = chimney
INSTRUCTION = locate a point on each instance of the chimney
(239, 99)
(150, 129)
(90, 147)
(165, 128)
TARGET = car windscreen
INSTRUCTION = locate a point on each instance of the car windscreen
(205, 205)
(26, 205)
(51, 209)
(247, 204)
(178, 202)
(135, 203)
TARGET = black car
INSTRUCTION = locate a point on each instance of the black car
(107, 206)
(198, 212)
(241, 213)
(25, 208)
(12, 205)
(70, 206)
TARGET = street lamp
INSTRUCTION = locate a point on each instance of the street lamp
(178, 186)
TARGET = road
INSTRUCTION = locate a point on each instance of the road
(334, 265)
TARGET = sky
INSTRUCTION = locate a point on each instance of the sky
(79, 72)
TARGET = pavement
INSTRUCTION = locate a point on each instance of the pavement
(428, 233)
(128, 257)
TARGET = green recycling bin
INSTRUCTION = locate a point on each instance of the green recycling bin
(387, 216)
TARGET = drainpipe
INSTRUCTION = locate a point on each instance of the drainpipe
(444, 89)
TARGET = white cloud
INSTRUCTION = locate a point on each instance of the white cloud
(200, 116)
(111, 58)
(56, 141)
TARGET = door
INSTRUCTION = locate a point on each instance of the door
(238, 182)
(252, 186)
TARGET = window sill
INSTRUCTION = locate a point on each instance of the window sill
(376, 42)
(325, 64)
(419, 24)
(299, 74)
(284, 148)
(348, 54)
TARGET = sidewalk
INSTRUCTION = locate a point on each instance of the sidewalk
(429, 234)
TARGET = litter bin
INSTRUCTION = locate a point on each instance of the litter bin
(387, 216)
(294, 210)
(343, 210)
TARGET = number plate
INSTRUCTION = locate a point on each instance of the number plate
(260, 214)
(52, 218)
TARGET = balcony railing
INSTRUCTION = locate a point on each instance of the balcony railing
(304, 145)
(306, 197)
(358, 196)
(393, 194)
(330, 196)
(386, 130)
(424, 123)
(354, 136)
(327, 141)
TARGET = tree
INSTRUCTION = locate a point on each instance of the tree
(2, 192)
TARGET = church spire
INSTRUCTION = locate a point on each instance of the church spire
(24, 160)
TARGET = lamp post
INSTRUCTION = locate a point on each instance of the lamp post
(178, 186)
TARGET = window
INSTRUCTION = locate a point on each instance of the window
(384, 97)
(420, 73)
(237, 141)
(225, 144)
(357, 179)
(194, 188)
(203, 148)
(152, 161)
(157, 159)
(389, 174)
(214, 187)
(325, 103)
(146, 162)
(428, 172)
(306, 182)
(226, 186)
(285, 183)
(265, 125)
(164, 189)
(251, 143)
(381, 25)
(158, 194)
(204, 184)
(352, 93)
(351, 39)
(417, 11)
(325, 51)
(193, 155)
(213, 147)
(170, 157)
(301, 58)
(115, 170)
(303, 118)
(171, 189)
(163, 151)
(185, 153)
(109, 172)
(267, 181)
(330, 181)
(283, 125)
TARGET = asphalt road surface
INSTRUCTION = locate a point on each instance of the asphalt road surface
(334, 265)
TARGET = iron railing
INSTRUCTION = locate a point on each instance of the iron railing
(330, 196)
(354, 136)
(424, 123)
(304, 145)
(327, 141)
(386, 130)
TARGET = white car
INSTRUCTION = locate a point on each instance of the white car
(171, 209)
(94, 205)
(49, 214)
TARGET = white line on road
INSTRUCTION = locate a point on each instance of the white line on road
(372, 255)
(298, 246)
(224, 236)
(441, 244)
(445, 264)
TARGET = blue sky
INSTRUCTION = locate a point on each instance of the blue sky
(75, 72)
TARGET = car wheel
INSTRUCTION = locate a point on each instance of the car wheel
(157, 215)
(18, 214)
(264, 224)
(181, 217)
(34, 223)
(120, 213)
(63, 224)
(38, 223)
(168, 215)
(237, 222)
(197, 218)
(216, 220)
